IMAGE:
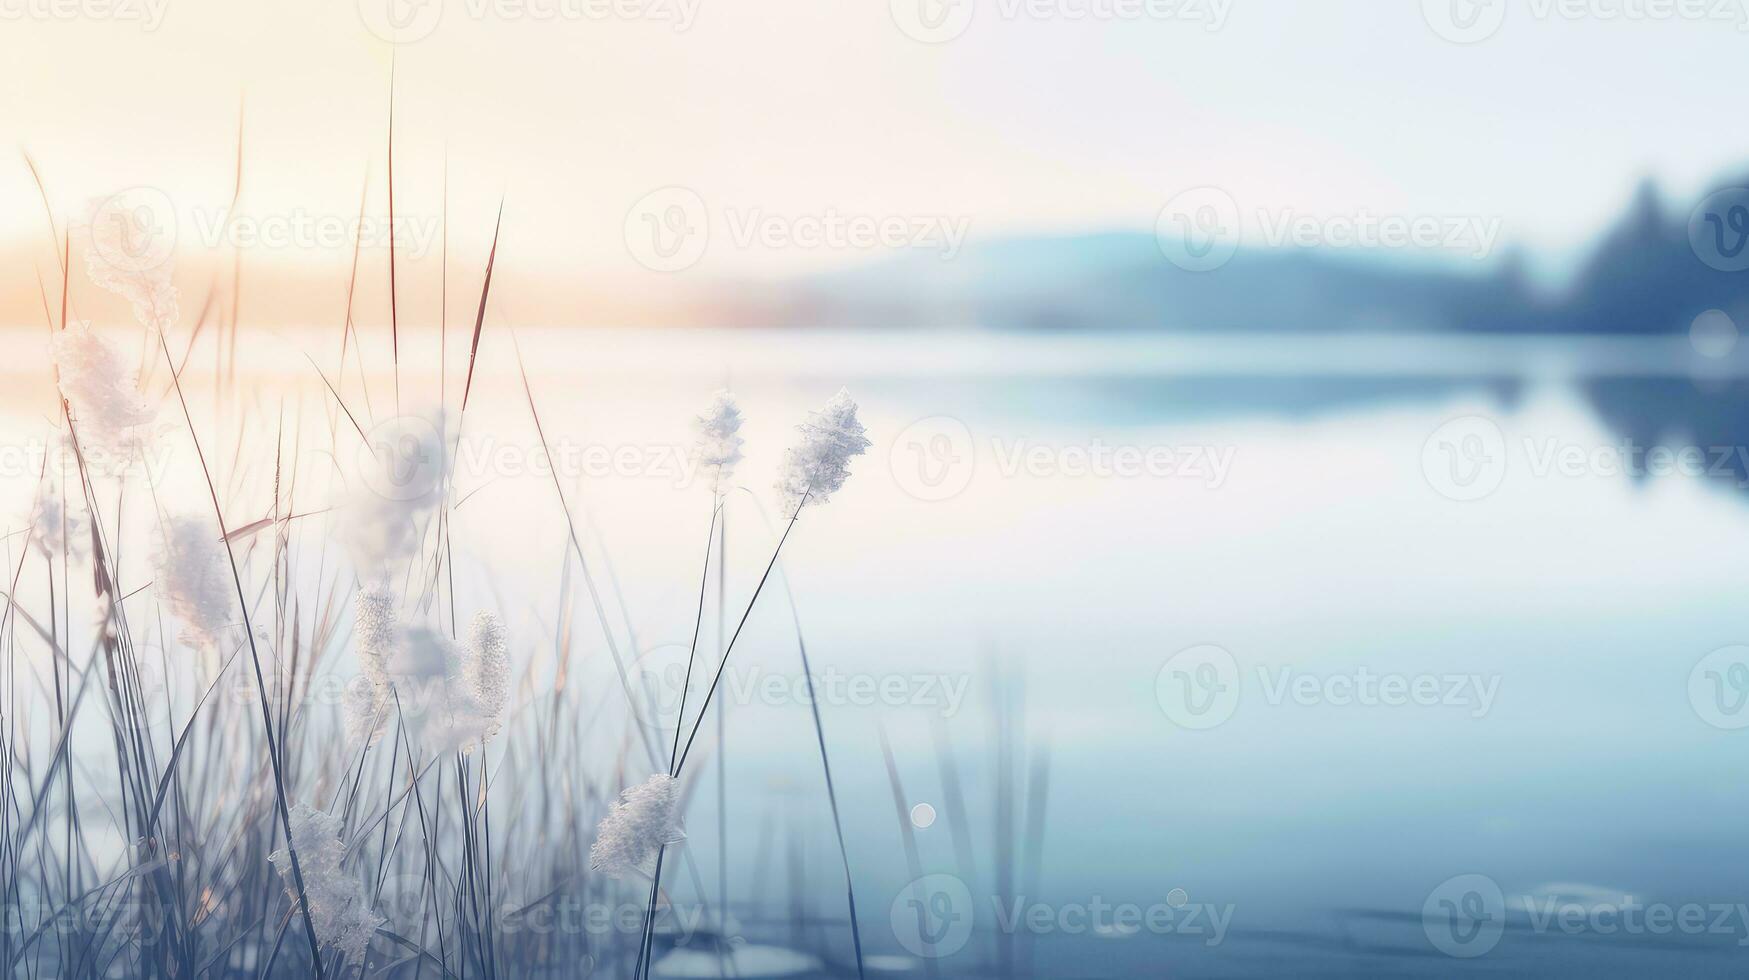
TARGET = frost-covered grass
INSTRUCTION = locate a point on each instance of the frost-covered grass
(248, 730)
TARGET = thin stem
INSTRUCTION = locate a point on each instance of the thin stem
(255, 658)
(737, 635)
(698, 620)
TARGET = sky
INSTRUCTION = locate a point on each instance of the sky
(1007, 117)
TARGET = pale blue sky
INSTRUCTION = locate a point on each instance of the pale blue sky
(1023, 123)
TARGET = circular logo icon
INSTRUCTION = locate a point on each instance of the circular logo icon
(658, 679)
(933, 459)
(1465, 459)
(153, 713)
(403, 458)
(923, 816)
(134, 230)
(932, 916)
(932, 21)
(1718, 230)
(404, 898)
(1465, 916)
(668, 229)
(1199, 230)
(401, 21)
(1198, 688)
(1464, 21)
(1718, 688)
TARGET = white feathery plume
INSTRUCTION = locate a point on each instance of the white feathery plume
(401, 480)
(486, 669)
(817, 467)
(99, 386)
(451, 696)
(375, 623)
(646, 819)
(56, 528)
(368, 695)
(338, 908)
(192, 575)
(366, 710)
(439, 711)
(126, 255)
(719, 440)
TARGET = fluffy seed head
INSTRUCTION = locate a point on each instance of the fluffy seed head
(400, 478)
(719, 440)
(342, 916)
(450, 696)
(99, 386)
(817, 466)
(646, 819)
(55, 527)
(486, 668)
(192, 576)
(128, 241)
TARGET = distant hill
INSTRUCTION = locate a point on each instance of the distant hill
(1641, 277)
